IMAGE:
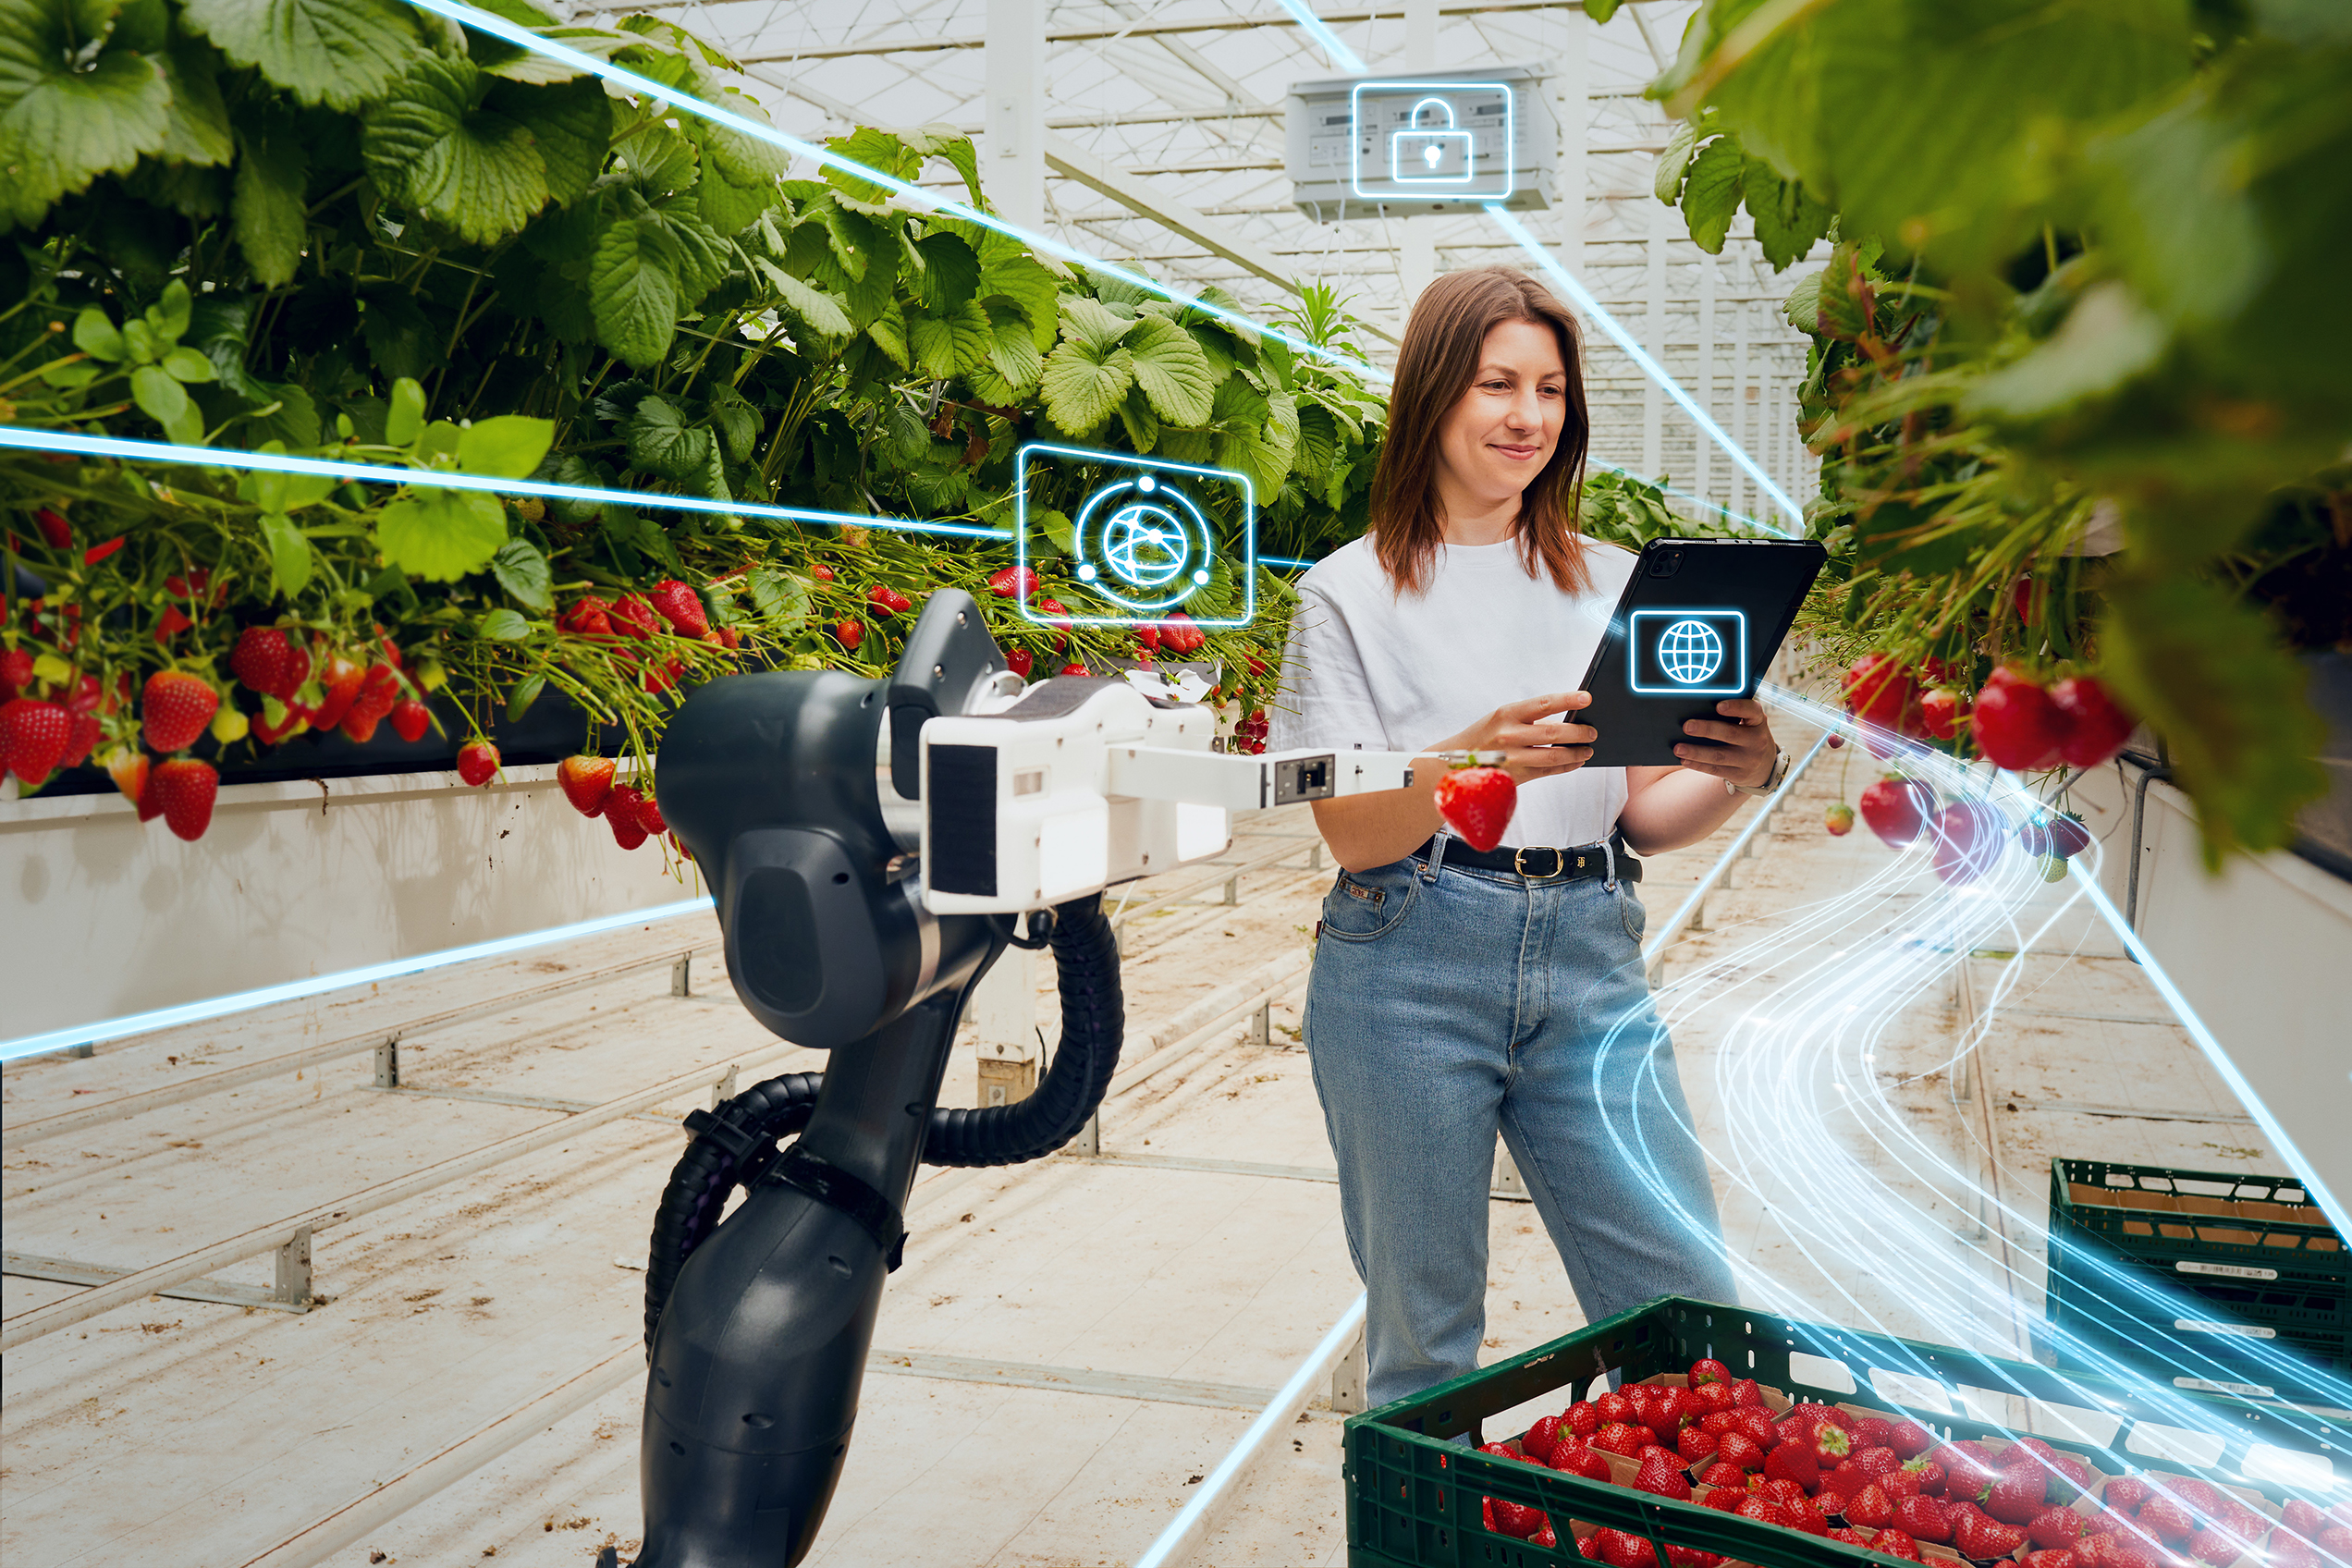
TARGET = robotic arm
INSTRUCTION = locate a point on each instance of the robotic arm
(871, 846)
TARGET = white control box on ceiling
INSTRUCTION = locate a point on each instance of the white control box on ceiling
(1402, 144)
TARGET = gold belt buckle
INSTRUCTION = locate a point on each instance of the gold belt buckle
(1519, 860)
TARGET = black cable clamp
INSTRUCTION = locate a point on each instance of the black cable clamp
(836, 1188)
(739, 1141)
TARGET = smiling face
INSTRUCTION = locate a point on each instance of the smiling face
(1506, 424)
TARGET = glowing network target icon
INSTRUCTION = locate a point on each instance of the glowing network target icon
(1688, 653)
(1143, 538)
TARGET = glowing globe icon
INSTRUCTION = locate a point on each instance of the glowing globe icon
(1144, 544)
(1690, 651)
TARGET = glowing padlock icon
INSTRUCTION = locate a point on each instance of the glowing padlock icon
(1431, 157)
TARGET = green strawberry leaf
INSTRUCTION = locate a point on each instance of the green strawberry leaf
(290, 554)
(632, 292)
(1012, 350)
(1711, 195)
(661, 442)
(97, 337)
(63, 127)
(473, 170)
(949, 273)
(338, 52)
(404, 417)
(505, 626)
(1083, 382)
(1031, 289)
(198, 132)
(1172, 370)
(572, 125)
(524, 572)
(737, 421)
(268, 212)
(441, 534)
(510, 445)
(822, 314)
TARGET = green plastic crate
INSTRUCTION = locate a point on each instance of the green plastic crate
(1413, 1496)
(2238, 1263)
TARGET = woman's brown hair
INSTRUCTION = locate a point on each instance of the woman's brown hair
(1443, 342)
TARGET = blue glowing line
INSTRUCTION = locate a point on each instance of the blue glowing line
(293, 990)
(523, 38)
(1320, 31)
(380, 474)
(1582, 298)
(2280, 1141)
(1292, 562)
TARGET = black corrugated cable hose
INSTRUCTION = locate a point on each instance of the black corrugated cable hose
(734, 1140)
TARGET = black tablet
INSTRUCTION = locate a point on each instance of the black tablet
(1697, 623)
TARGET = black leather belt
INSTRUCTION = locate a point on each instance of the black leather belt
(1539, 863)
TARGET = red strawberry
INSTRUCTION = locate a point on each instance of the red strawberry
(621, 816)
(263, 660)
(1831, 1445)
(1727, 1499)
(1756, 1505)
(2285, 1551)
(1516, 1519)
(1545, 1538)
(680, 606)
(1689, 1556)
(182, 790)
(2095, 728)
(586, 782)
(2015, 723)
(850, 633)
(34, 738)
(342, 679)
(2125, 1493)
(379, 689)
(176, 707)
(1071, 669)
(1968, 1469)
(649, 816)
(1757, 1422)
(1850, 1537)
(633, 617)
(128, 767)
(55, 531)
(1740, 1449)
(1968, 837)
(588, 617)
(2055, 1557)
(1589, 1548)
(1976, 1534)
(1051, 608)
(2217, 1547)
(1924, 1518)
(1669, 1410)
(1909, 1440)
(882, 599)
(2018, 1495)
(2166, 1519)
(2337, 1540)
(1620, 1548)
(1895, 1543)
(1021, 661)
(478, 763)
(411, 719)
(1013, 582)
(1930, 1474)
(1900, 1482)
(1693, 1445)
(1941, 714)
(1540, 1435)
(1622, 1437)
(1615, 1405)
(1712, 1397)
(1718, 1474)
(1662, 1474)
(1582, 1418)
(822, 573)
(1897, 808)
(1576, 1459)
(1869, 1432)
(1794, 1462)
(2302, 1517)
(1486, 1512)
(1879, 691)
(1870, 1508)
(1477, 803)
(1180, 633)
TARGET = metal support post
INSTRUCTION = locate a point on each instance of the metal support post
(1004, 1017)
(1016, 102)
(1347, 1381)
(293, 1286)
(1315, 856)
(388, 1063)
(1262, 1026)
(1089, 1139)
(1573, 109)
(724, 1090)
(1233, 889)
(1653, 339)
(681, 975)
(1702, 466)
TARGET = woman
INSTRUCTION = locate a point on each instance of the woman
(1456, 993)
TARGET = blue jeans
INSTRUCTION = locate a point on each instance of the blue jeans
(1444, 1007)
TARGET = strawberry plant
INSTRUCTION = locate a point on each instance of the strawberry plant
(2075, 364)
(432, 250)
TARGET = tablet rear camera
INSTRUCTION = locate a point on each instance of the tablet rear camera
(1666, 563)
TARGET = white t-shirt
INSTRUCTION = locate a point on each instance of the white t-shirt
(1368, 665)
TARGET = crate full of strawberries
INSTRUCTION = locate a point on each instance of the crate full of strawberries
(1712, 1466)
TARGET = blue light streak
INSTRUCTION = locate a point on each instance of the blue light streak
(1812, 1000)
(381, 474)
(1582, 298)
(1320, 31)
(294, 990)
(523, 38)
